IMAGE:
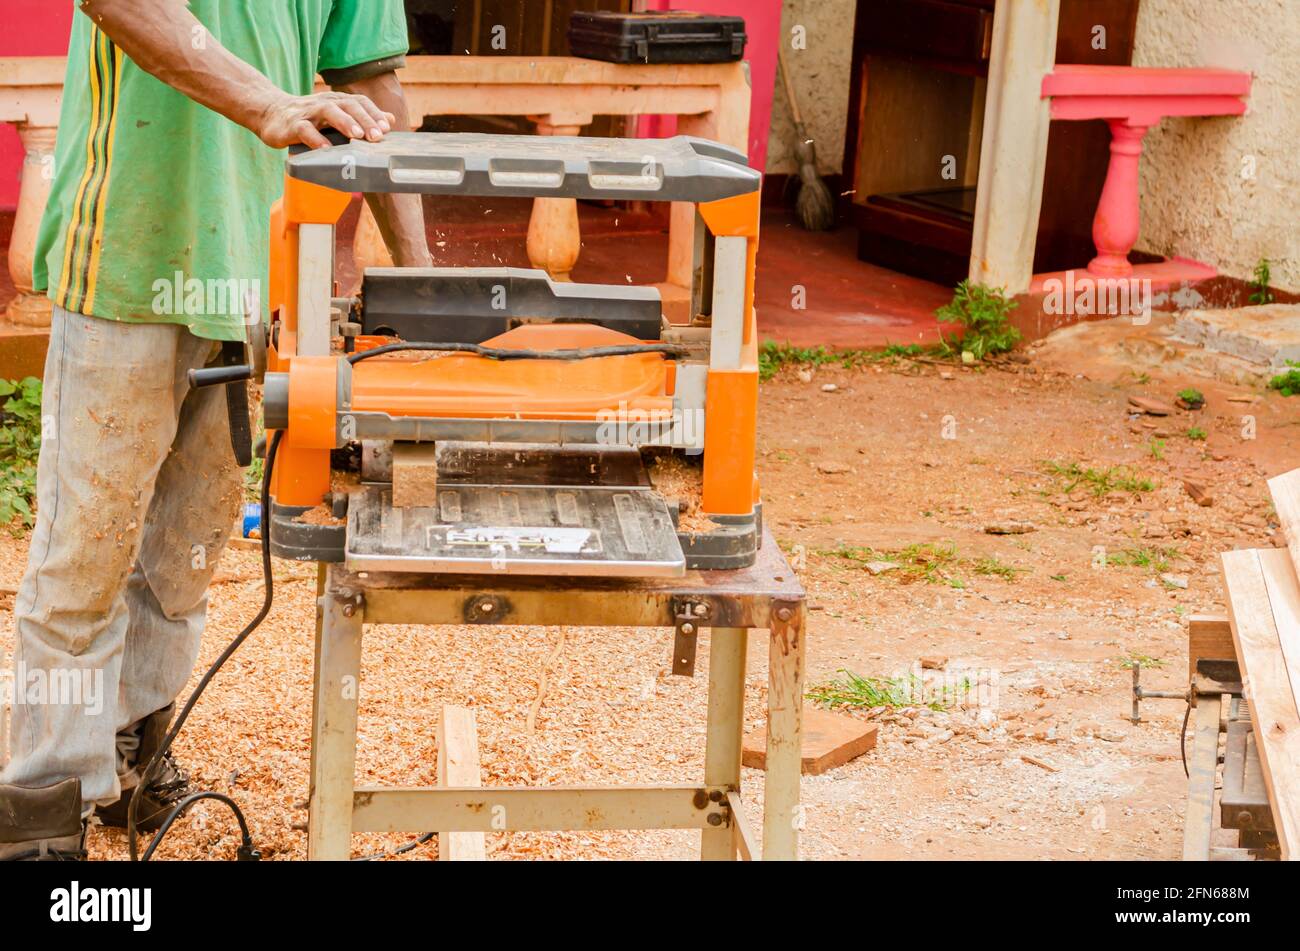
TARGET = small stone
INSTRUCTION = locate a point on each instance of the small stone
(983, 822)
(829, 388)
(880, 567)
(805, 375)
(935, 662)
(1198, 492)
(1175, 581)
(1152, 407)
(1009, 528)
(832, 468)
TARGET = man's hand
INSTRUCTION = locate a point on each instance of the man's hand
(296, 119)
(157, 35)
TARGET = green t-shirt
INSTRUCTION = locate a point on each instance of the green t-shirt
(159, 208)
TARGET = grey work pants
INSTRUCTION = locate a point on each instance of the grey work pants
(137, 491)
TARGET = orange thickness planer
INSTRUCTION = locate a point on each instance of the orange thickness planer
(536, 403)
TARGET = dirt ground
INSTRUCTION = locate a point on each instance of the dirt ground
(893, 455)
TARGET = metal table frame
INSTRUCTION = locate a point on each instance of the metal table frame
(731, 603)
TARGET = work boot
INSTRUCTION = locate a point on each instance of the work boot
(160, 795)
(42, 824)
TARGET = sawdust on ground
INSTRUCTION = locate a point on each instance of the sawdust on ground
(1059, 773)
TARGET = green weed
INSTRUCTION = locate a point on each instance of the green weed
(20, 444)
(1099, 481)
(984, 316)
(852, 690)
(1263, 277)
(1288, 383)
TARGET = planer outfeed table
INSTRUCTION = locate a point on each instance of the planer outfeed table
(533, 412)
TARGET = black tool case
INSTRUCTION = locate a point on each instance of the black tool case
(669, 37)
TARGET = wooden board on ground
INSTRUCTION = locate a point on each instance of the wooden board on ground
(1285, 490)
(458, 765)
(1264, 601)
(415, 475)
(829, 740)
(1209, 636)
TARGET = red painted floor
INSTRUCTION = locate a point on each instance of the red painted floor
(846, 303)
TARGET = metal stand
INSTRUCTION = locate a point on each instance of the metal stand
(766, 596)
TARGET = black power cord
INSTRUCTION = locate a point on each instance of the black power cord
(246, 850)
(496, 353)
(1182, 739)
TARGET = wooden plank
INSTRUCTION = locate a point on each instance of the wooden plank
(829, 740)
(1264, 670)
(1286, 501)
(458, 765)
(1208, 636)
(415, 475)
(1198, 822)
(538, 808)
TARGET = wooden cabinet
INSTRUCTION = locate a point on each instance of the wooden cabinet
(915, 125)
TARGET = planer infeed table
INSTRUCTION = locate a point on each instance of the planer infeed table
(536, 403)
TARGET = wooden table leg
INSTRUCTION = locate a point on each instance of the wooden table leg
(781, 814)
(29, 308)
(554, 237)
(334, 725)
(726, 728)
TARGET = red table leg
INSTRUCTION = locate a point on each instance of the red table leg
(1115, 229)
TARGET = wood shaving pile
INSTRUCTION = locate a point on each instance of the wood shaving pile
(612, 714)
(679, 480)
(320, 515)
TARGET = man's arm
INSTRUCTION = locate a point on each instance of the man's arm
(163, 38)
(400, 217)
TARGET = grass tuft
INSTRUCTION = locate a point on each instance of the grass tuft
(852, 690)
(1157, 559)
(1099, 481)
(1133, 659)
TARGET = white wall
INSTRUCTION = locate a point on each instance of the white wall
(821, 78)
(1195, 200)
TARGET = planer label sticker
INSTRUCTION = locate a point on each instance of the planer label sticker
(502, 540)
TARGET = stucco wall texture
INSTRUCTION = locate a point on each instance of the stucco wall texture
(821, 78)
(1226, 191)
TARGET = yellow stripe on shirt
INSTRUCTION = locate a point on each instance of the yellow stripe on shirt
(92, 205)
(97, 238)
(70, 239)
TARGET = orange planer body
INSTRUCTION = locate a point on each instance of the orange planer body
(323, 397)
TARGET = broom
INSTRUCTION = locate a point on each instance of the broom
(814, 205)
